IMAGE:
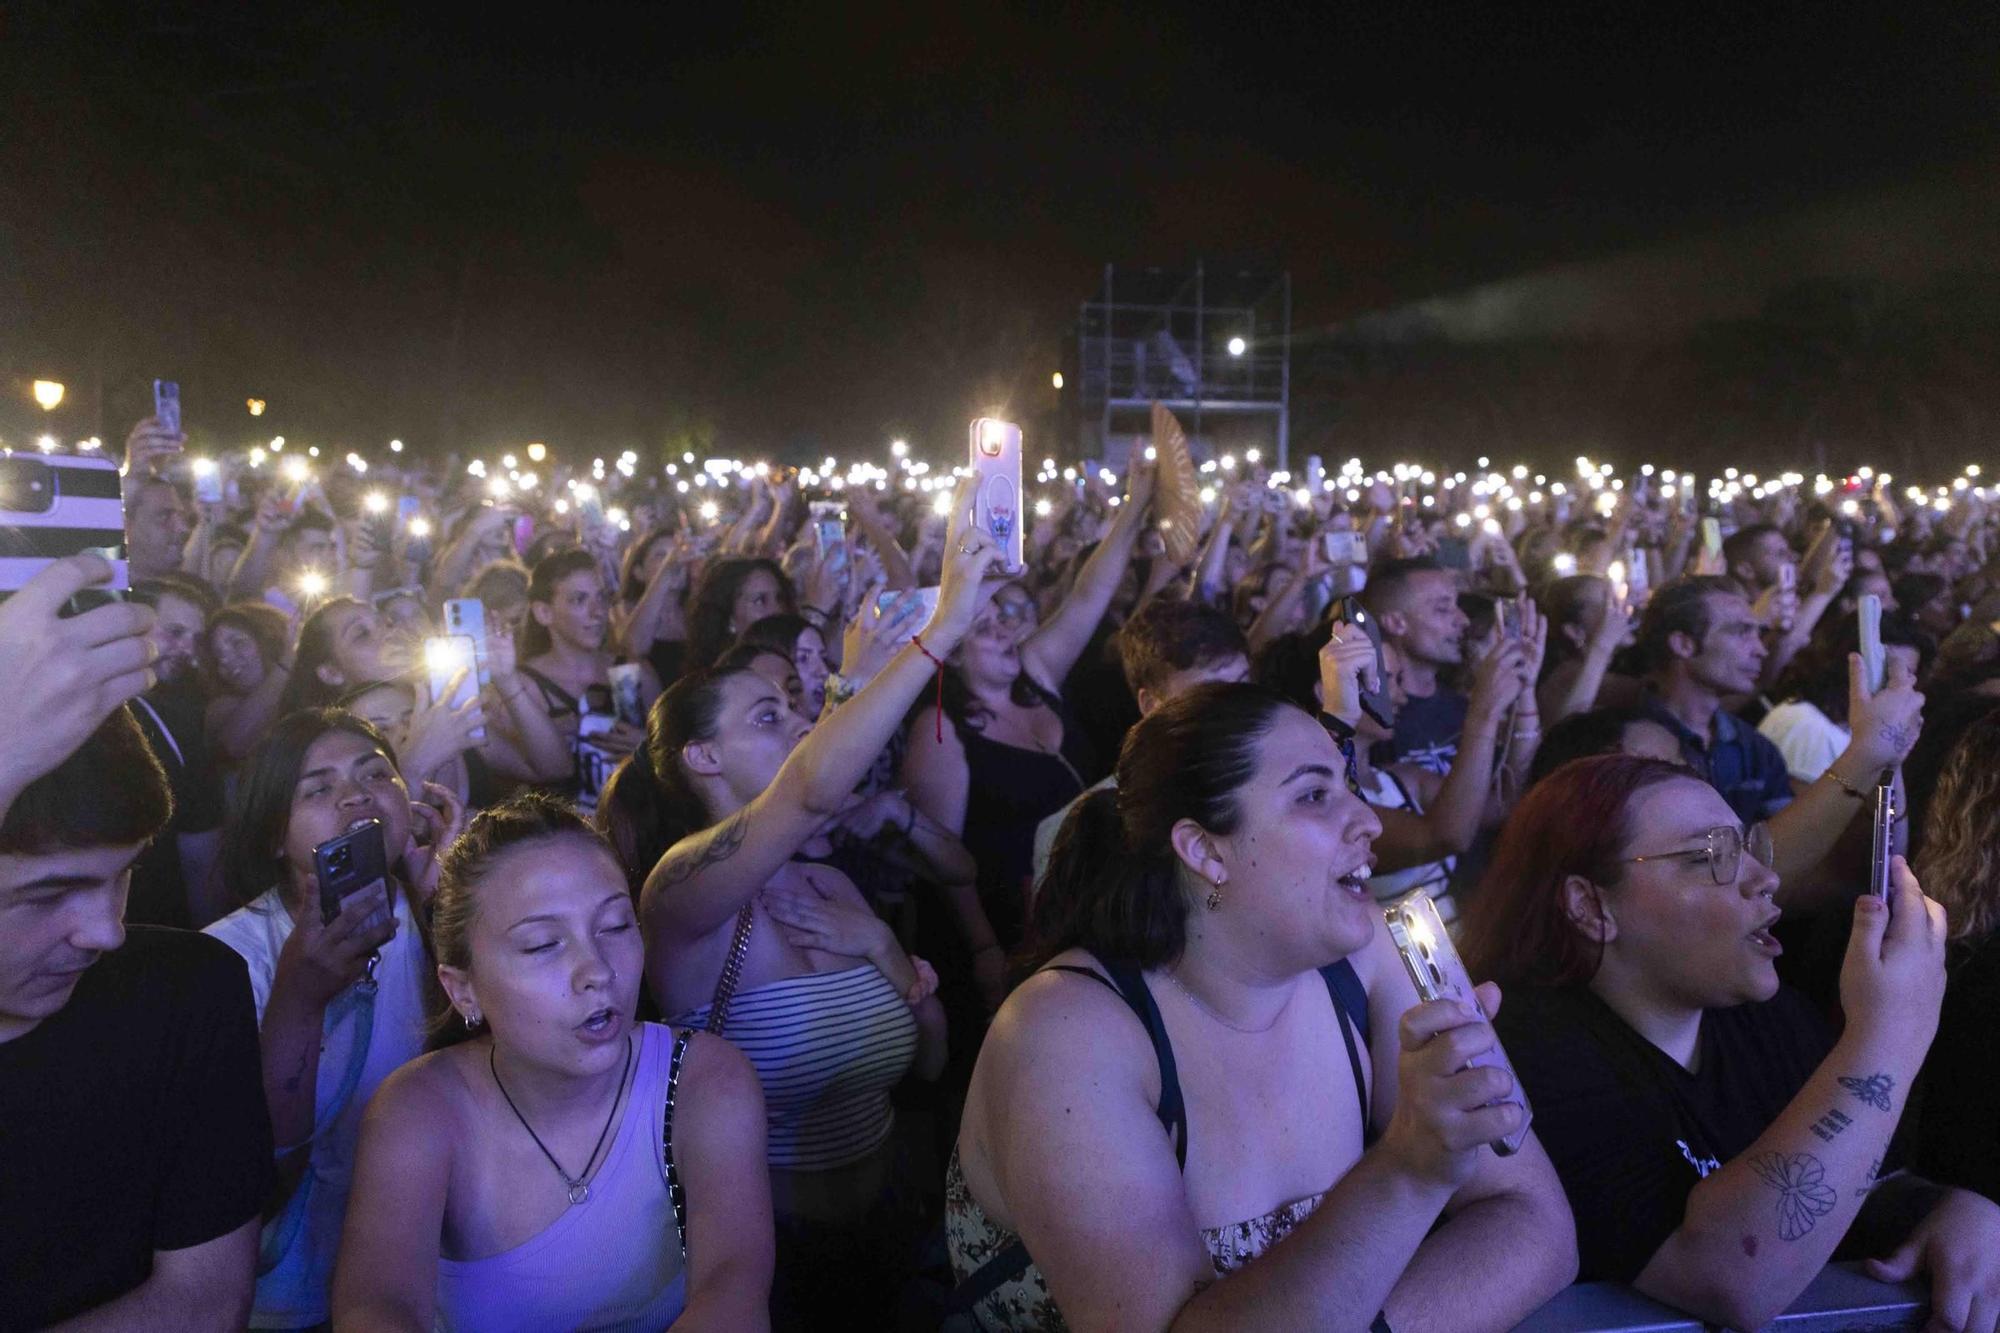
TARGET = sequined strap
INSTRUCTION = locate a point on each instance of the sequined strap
(732, 969)
(675, 1191)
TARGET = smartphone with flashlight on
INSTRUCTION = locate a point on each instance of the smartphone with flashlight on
(1345, 547)
(996, 500)
(445, 657)
(829, 531)
(1418, 933)
(1375, 702)
(348, 864)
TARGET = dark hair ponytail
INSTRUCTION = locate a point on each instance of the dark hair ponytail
(649, 805)
(1113, 882)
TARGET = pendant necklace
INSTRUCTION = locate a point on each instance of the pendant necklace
(1202, 1005)
(579, 1185)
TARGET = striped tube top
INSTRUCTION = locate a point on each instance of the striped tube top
(828, 1047)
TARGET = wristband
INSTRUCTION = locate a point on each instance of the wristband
(1848, 787)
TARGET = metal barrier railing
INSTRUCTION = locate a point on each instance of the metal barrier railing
(1840, 1298)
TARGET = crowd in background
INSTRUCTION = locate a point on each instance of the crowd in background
(793, 913)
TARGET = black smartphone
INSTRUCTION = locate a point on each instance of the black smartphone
(348, 864)
(1374, 702)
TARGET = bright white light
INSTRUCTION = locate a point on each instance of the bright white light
(312, 583)
(1304, 496)
(1229, 462)
(1043, 508)
(48, 394)
(708, 511)
(257, 457)
(203, 467)
(1208, 495)
(1254, 455)
(1056, 379)
(1564, 563)
(1237, 347)
(313, 451)
(942, 505)
(499, 488)
(295, 470)
(395, 446)
(509, 462)
(420, 526)
(899, 448)
(47, 444)
(375, 502)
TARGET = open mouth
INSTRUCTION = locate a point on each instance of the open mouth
(1763, 939)
(359, 821)
(599, 1024)
(1355, 881)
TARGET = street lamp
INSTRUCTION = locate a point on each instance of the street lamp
(1056, 379)
(1237, 347)
(49, 393)
(256, 406)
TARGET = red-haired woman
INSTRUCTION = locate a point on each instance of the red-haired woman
(1716, 1143)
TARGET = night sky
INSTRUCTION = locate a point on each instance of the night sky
(785, 229)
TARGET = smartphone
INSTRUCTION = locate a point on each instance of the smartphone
(1510, 617)
(1711, 540)
(167, 405)
(524, 537)
(207, 481)
(829, 531)
(56, 505)
(1374, 702)
(1874, 667)
(1346, 547)
(1419, 935)
(625, 693)
(348, 864)
(996, 502)
(444, 658)
(1885, 834)
(1788, 576)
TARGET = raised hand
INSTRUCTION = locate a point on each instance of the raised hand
(61, 677)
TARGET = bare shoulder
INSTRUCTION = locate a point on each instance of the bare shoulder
(717, 1075)
(1056, 1022)
(828, 881)
(427, 1099)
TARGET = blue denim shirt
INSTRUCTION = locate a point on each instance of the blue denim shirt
(1742, 763)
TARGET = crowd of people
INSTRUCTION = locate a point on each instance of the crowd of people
(789, 913)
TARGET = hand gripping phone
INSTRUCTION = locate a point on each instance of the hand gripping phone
(54, 506)
(1418, 933)
(829, 531)
(1375, 702)
(996, 500)
(348, 864)
(1345, 547)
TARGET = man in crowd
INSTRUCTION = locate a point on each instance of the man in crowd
(1701, 646)
(282, 552)
(174, 882)
(1167, 649)
(135, 1153)
(1756, 557)
(1415, 601)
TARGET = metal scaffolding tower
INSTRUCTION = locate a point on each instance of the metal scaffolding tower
(1214, 348)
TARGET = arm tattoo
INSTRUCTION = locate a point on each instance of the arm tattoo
(1874, 1089)
(1874, 1177)
(1830, 1124)
(1803, 1194)
(724, 843)
(298, 1075)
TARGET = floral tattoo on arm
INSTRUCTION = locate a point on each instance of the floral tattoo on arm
(1804, 1197)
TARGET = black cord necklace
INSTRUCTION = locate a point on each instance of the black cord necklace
(579, 1188)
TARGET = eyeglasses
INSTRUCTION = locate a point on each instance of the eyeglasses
(1723, 851)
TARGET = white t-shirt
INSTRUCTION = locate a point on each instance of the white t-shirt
(294, 1294)
(1808, 739)
(1045, 832)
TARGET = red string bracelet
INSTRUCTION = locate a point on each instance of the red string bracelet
(940, 683)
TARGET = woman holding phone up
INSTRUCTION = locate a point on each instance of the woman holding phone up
(341, 1002)
(1716, 1142)
(1219, 1103)
(722, 815)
